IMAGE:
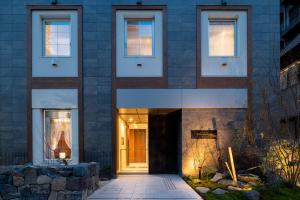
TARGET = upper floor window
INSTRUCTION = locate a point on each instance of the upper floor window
(222, 37)
(57, 40)
(223, 43)
(55, 43)
(139, 43)
(139, 40)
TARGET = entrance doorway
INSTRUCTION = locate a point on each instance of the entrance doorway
(148, 140)
(132, 140)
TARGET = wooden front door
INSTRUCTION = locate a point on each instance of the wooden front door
(137, 146)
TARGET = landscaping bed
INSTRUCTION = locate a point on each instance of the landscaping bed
(282, 192)
(48, 182)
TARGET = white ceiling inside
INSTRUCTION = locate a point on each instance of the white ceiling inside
(134, 115)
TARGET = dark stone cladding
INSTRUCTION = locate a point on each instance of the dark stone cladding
(230, 125)
(97, 69)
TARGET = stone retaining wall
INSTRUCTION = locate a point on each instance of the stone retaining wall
(48, 182)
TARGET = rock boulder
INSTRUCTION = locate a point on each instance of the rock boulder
(219, 191)
(30, 174)
(217, 177)
(18, 181)
(59, 183)
(43, 179)
(252, 194)
(202, 189)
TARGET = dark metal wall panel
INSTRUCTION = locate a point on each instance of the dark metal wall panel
(164, 133)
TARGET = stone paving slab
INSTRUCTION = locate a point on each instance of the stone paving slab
(146, 187)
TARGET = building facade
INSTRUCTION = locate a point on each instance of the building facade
(138, 86)
(290, 65)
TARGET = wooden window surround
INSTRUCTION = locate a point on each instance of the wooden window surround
(224, 82)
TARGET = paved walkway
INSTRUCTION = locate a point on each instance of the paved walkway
(146, 187)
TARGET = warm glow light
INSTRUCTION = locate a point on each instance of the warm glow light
(221, 38)
(61, 120)
(130, 119)
(62, 155)
(122, 127)
(247, 188)
(190, 167)
(290, 67)
(148, 41)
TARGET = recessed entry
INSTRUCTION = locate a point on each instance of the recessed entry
(147, 140)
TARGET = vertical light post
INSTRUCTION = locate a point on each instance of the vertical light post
(232, 165)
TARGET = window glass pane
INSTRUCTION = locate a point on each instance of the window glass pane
(63, 50)
(56, 38)
(139, 37)
(221, 38)
(51, 49)
(58, 134)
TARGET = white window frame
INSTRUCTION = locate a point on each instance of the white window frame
(53, 99)
(54, 66)
(139, 66)
(224, 66)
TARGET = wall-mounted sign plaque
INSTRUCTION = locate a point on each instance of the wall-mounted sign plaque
(204, 134)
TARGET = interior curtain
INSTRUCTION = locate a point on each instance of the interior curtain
(57, 129)
(67, 130)
(54, 133)
(48, 139)
(54, 129)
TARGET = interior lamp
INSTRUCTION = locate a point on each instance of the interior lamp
(62, 155)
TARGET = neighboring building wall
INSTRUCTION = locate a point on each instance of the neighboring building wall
(290, 115)
(290, 67)
(97, 49)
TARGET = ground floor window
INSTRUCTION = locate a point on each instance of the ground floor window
(55, 126)
(57, 134)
